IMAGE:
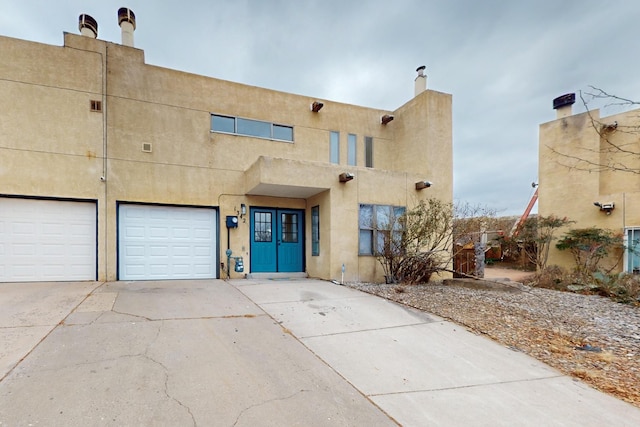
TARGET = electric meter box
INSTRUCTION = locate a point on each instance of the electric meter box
(232, 221)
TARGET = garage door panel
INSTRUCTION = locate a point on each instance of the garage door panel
(202, 251)
(55, 230)
(181, 232)
(159, 242)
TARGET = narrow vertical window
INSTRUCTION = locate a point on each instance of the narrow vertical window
(351, 149)
(315, 231)
(334, 156)
(368, 151)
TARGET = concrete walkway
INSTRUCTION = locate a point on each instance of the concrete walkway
(262, 353)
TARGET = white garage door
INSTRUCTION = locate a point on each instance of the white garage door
(166, 242)
(47, 240)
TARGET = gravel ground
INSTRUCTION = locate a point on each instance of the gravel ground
(588, 337)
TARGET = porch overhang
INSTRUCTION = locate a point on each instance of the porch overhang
(295, 179)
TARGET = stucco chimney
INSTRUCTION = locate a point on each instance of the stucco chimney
(421, 80)
(562, 105)
(88, 26)
(127, 22)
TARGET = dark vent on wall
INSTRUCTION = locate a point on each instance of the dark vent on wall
(146, 147)
(96, 105)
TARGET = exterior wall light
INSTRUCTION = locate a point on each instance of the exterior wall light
(605, 207)
(421, 185)
(316, 106)
(386, 119)
(243, 210)
(346, 177)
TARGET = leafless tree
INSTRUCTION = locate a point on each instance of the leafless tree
(425, 239)
(619, 148)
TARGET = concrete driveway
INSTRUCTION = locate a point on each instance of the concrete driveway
(267, 353)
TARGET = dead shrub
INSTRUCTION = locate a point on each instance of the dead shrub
(552, 277)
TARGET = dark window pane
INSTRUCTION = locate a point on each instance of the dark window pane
(384, 219)
(254, 128)
(223, 124)
(284, 133)
(351, 149)
(315, 230)
(262, 226)
(289, 228)
(366, 216)
(366, 242)
(368, 151)
(334, 155)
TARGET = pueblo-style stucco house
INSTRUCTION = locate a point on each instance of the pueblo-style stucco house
(115, 169)
(588, 173)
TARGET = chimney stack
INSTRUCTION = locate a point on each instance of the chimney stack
(88, 26)
(421, 80)
(127, 22)
(562, 105)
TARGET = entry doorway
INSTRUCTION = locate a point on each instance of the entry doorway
(277, 240)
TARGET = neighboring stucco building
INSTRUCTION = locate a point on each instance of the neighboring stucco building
(114, 169)
(583, 176)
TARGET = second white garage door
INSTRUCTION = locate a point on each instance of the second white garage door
(166, 242)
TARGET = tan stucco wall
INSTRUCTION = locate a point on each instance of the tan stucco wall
(573, 174)
(54, 146)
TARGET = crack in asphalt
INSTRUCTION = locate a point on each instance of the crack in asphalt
(266, 402)
(166, 374)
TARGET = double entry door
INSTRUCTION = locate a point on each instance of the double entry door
(277, 240)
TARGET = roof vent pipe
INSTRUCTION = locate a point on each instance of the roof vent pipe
(127, 22)
(88, 26)
(562, 105)
(421, 80)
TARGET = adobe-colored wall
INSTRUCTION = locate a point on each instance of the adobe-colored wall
(57, 147)
(573, 174)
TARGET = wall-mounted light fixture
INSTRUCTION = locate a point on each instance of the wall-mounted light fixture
(386, 119)
(605, 207)
(243, 210)
(316, 106)
(421, 185)
(346, 177)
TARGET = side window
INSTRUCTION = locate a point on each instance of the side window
(334, 149)
(248, 127)
(633, 250)
(223, 124)
(315, 231)
(379, 226)
(368, 151)
(351, 149)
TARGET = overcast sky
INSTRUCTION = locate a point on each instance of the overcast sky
(503, 61)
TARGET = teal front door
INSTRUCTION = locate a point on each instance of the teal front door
(277, 240)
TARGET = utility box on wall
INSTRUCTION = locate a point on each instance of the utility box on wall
(232, 221)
